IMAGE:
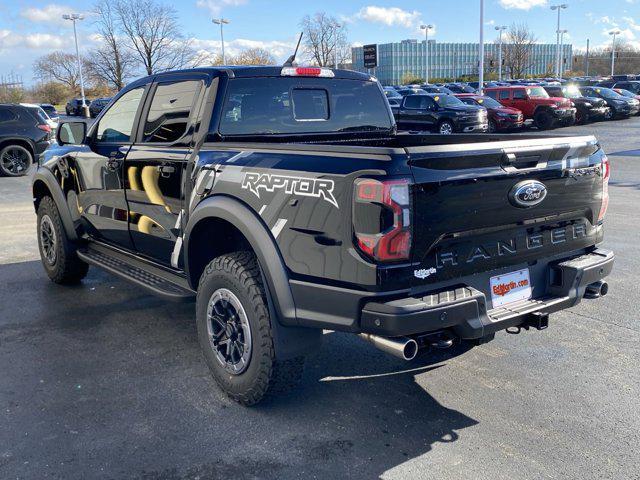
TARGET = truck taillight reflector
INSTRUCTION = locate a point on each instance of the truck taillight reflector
(382, 219)
(606, 173)
(307, 72)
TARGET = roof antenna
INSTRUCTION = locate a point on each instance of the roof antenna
(292, 58)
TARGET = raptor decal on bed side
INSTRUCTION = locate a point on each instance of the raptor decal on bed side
(303, 186)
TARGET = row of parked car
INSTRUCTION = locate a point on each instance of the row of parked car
(508, 106)
(74, 106)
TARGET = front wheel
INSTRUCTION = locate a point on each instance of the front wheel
(445, 128)
(492, 126)
(543, 120)
(57, 252)
(611, 113)
(235, 331)
(15, 161)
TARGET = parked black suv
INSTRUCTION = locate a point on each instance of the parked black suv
(24, 135)
(620, 105)
(74, 106)
(98, 105)
(444, 114)
(587, 108)
(284, 202)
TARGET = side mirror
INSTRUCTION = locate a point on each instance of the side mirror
(72, 133)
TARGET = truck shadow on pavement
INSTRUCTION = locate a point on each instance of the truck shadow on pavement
(102, 380)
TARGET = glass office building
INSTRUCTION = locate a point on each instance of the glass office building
(451, 60)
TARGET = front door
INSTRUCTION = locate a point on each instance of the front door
(155, 168)
(99, 169)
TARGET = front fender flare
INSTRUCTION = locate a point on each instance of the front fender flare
(45, 176)
(260, 239)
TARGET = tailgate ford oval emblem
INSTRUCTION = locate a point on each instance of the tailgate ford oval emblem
(527, 193)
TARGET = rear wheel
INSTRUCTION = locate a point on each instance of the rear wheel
(235, 331)
(15, 161)
(543, 120)
(445, 128)
(57, 252)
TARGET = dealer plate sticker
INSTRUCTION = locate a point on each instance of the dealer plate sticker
(510, 287)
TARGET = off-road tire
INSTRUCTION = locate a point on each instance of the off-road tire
(492, 127)
(543, 120)
(265, 375)
(67, 267)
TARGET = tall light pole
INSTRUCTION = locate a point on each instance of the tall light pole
(221, 21)
(335, 45)
(613, 50)
(562, 32)
(426, 29)
(500, 29)
(558, 8)
(75, 17)
(481, 50)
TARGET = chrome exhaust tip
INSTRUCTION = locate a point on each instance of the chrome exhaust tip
(400, 347)
(597, 289)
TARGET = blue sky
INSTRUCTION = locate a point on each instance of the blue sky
(29, 28)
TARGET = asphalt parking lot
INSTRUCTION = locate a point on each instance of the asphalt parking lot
(104, 381)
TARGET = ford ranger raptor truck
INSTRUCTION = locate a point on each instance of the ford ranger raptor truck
(284, 202)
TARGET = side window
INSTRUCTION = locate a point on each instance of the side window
(117, 122)
(6, 114)
(412, 101)
(170, 110)
(428, 103)
(519, 94)
(504, 94)
(491, 93)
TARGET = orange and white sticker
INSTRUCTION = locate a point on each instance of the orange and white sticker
(510, 287)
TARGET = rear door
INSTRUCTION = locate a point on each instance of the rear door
(467, 217)
(156, 163)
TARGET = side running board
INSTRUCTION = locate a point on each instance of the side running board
(154, 278)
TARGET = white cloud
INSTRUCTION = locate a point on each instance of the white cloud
(215, 6)
(279, 49)
(522, 4)
(33, 41)
(490, 22)
(632, 23)
(49, 14)
(390, 16)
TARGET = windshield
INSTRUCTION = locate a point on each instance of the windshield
(571, 92)
(392, 93)
(607, 93)
(302, 105)
(626, 93)
(537, 92)
(448, 101)
(488, 102)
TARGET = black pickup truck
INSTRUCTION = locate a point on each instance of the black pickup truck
(284, 201)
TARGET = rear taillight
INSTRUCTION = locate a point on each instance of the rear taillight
(307, 72)
(382, 219)
(44, 127)
(606, 173)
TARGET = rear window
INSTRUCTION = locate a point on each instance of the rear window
(297, 105)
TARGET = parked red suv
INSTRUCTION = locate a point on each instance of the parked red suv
(535, 103)
(501, 118)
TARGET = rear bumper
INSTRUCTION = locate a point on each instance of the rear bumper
(464, 310)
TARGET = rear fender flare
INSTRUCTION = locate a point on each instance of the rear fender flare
(261, 241)
(45, 176)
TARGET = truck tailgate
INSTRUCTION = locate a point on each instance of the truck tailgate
(470, 216)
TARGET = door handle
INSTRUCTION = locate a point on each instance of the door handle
(113, 164)
(166, 170)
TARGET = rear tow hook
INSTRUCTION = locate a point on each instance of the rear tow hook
(536, 320)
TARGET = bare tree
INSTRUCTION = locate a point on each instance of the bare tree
(627, 60)
(253, 56)
(154, 34)
(517, 50)
(111, 63)
(59, 66)
(324, 38)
